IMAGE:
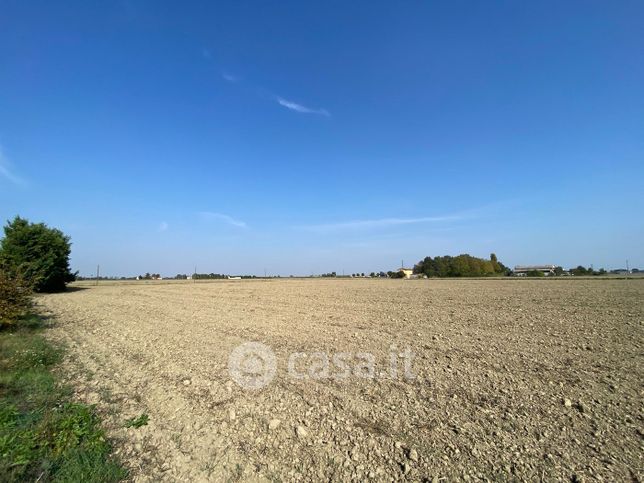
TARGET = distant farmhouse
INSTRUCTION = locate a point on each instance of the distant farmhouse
(522, 271)
(406, 272)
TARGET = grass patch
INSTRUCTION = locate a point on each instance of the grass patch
(142, 420)
(43, 435)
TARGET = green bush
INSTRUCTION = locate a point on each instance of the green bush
(15, 300)
(535, 273)
(39, 253)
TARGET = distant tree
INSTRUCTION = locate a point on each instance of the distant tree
(372, 274)
(559, 271)
(37, 253)
(581, 270)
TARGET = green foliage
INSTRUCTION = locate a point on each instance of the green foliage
(535, 273)
(43, 436)
(142, 420)
(38, 253)
(397, 274)
(15, 298)
(208, 276)
(581, 270)
(460, 266)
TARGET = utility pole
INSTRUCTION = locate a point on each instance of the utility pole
(98, 270)
(627, 269)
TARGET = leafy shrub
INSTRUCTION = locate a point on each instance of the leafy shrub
(15, 299)
(535, 273)
(39, 253)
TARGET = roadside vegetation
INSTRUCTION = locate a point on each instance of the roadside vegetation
(44, 435)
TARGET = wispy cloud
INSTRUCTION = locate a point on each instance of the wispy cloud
(227, 76)
(378, 223)
(163, 226)
(7, 172)
(294, 106)
(210, 216)
(262, 92)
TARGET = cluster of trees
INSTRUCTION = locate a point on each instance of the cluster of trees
(397, 274)
(37, 254)
(149, 276)
(205, 276)
(461, 266)
(581, 270)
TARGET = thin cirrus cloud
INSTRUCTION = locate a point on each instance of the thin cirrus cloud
(6, 172)
(229, 77)
(210, 216)
(288, 104)
(377, 223)
(294, 106)
(163, 226)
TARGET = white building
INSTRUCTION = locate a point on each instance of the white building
(522, 271)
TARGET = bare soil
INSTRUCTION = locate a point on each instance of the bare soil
(514, 379)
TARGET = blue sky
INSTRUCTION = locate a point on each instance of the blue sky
(305, 137)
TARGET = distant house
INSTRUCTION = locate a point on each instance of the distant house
(522, 271)
(406, 272)
(622, 271)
